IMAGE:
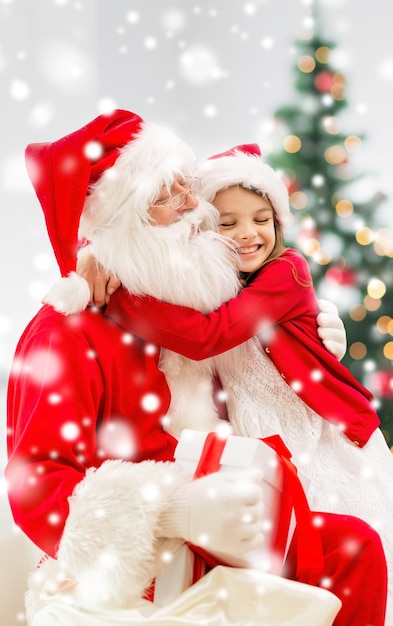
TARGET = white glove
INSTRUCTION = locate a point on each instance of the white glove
(220, 512)
(331, 329)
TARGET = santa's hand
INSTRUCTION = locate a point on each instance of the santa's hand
(220, 512)
(101, 284)
(331, 329)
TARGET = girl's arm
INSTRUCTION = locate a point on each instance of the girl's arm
(272, 298)
(330, 326)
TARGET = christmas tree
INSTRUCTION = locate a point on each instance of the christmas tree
(350, 255)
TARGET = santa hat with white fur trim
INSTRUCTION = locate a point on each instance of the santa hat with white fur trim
(243, 165)
(102, 176)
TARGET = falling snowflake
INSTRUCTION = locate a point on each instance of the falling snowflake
(174, 20)
(150, 402)
(20, 90)
(41, 361)
(70, 431)
(116, 440)
(133, 17)
(65, 65)
(151, 43)
(199, 65)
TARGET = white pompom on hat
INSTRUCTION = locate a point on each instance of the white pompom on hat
(243, 165)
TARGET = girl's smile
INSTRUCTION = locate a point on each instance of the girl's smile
(249, 251)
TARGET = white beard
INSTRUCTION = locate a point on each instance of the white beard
(186, 263)
(181, 264)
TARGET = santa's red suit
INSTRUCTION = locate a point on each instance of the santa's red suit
(98, 377)
(81, 391)
(89, 469)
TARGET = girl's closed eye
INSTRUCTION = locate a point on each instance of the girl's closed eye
(227, 224)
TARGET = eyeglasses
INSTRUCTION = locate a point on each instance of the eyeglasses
(179, 200)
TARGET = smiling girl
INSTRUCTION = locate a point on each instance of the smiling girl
(277, 374)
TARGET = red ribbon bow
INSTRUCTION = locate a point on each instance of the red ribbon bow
(309, 547)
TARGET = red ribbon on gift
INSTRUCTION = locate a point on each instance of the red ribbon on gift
(309, 551)
(210, 459)
(309, 545)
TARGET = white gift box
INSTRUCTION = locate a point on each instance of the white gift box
(238, 453)
(176, 577)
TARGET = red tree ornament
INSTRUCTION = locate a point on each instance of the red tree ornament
(342, 276)
(381, 382)
(292, 184)
(324, 81)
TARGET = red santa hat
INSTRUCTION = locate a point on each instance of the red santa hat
(105, 174)
(243, 165)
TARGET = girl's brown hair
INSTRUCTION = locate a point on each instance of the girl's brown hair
(278, 249)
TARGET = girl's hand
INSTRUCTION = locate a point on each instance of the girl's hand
(331, 329)
(101, 284)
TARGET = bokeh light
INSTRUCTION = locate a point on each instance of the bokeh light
(306, 64)
(358, 350)
(331, 124)
(388, 350)
(376, 288)
(322, 54)
(358, 312)
(292, 144)
(344, 208)
(335, 155)
(353, 144)
(298, 200)
(364, 236)
(383, 323)
(372, 304)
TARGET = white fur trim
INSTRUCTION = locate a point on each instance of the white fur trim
(69, 295)
(121, 197)
(108, 554)
(250, 172)
(108, 544)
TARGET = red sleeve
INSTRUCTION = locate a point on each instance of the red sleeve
(274, 297)
(54, 395)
